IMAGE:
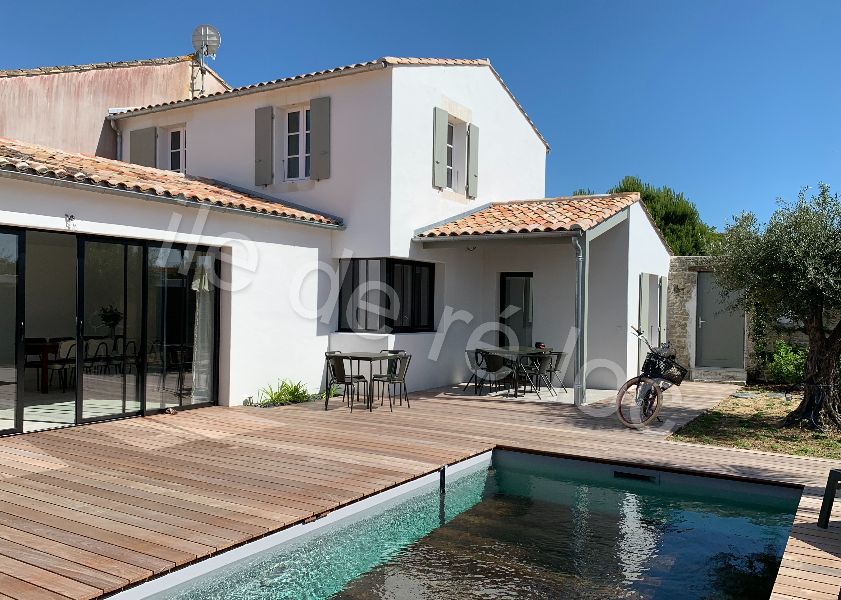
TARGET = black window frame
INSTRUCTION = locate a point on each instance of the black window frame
(421, 303)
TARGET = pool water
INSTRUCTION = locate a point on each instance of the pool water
(535, 527)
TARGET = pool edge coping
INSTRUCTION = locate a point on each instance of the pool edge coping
(157, 583)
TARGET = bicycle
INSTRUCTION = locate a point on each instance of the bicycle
(639, 400)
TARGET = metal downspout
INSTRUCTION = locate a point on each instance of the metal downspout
(579, 375)
(119, 133)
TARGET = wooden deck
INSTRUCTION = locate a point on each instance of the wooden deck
(86, 511)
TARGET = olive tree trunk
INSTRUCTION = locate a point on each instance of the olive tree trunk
(821, 404)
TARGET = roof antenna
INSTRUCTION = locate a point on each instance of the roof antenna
(206, 41)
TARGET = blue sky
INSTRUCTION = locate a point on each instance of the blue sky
(732, 102)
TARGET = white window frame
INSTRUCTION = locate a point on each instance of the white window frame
(303, 133)
(181, 150)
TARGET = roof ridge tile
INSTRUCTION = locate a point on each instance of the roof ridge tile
(51, 70)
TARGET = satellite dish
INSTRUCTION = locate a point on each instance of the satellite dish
(206, 40)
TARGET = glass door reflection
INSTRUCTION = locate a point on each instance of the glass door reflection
(109, 340)
(180, 327)
(11, 317)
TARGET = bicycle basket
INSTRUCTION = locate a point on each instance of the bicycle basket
(657, 366)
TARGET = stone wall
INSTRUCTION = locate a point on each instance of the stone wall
(680, 305)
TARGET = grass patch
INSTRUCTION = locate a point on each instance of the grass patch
(755, 423)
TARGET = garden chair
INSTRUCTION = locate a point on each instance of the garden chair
(536, 369)
(555, 369)
(494, 370)
(32, 360)
(98, 362)
(338, 376)
(475, 361)
(64, 364)
(398, 379)
(393, 363)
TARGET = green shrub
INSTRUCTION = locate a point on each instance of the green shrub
(788, 364)
(286, 392)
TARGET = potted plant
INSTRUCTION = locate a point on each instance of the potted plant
(111, 317)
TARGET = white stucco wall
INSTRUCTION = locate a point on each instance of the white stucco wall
(381, 149)
(512, 158)
(470, 301)
(608, 325)
(220, 145)
(264, 333)
(646, 254)
(438, 357)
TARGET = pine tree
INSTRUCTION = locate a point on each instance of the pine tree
(675, 215)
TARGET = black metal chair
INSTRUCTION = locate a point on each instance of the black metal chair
(129, 358)
(555, 369)
(494, 370)
(393, 363)
(536, 369)
(64, 364)
(338, 376)
(475, 360)
(397, 378)
(32, 359)
(98, 362)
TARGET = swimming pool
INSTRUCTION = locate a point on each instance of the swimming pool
(531, 526)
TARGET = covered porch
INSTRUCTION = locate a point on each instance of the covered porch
(565, 273)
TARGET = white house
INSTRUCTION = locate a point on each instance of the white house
(257, 227)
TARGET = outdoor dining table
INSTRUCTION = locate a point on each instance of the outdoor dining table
(515, 354)
(360, 357)
(44, 349)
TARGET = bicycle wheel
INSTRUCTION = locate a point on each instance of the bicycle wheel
(638, 402)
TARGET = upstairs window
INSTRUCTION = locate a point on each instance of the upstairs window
(455, 154)
(177, 149)
(386, 295)
(298, 144)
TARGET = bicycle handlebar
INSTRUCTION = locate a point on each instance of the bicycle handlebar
(641, 336)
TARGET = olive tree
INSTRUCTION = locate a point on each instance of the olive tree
(790, 268)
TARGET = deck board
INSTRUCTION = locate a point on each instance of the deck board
(85, 511)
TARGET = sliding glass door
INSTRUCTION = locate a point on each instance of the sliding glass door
(110, 329)
(104, 328)
(181, 316)
(11, 331)
(148, 329)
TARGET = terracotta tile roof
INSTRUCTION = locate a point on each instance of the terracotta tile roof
(534, 216)
(334, 72)
(25, 158)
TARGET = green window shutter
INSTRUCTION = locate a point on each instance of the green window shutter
(439, 148)
(320, 138)
(143, 147)
(472, 160)
(664, 298)
(644, 304)
(264, 145)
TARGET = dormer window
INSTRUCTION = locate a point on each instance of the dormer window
(178, 149)
(298, 143)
